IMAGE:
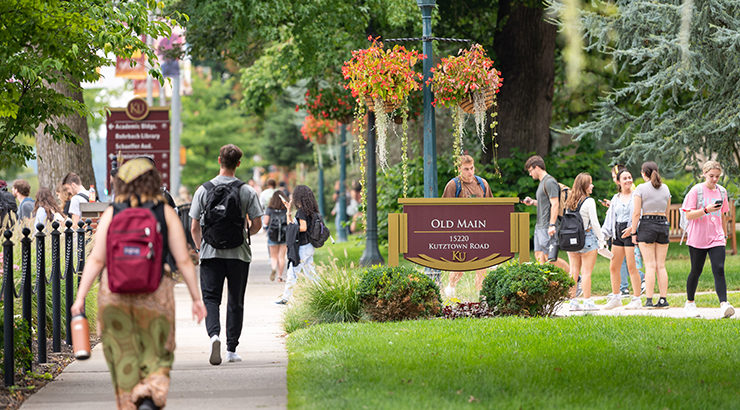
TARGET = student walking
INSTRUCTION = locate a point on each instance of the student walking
(548, 206)
(138, 329)
(307, 207)
(618, 222)
(582, 262)
(22, 192)
(225, 211)
(704, 206)
(276, 220)
(650, 226)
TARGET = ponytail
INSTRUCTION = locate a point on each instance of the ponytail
(650, 169)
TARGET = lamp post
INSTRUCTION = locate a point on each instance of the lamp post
(342, 198)
(430, 137)
(371, 255)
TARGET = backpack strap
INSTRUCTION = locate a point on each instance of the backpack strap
(482, 185)
(458, 186)
(544, 186)
(87, 198)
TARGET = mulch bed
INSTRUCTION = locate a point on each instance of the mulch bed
(12, 397)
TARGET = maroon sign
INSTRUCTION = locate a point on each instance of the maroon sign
(140, 130)
(460, 234)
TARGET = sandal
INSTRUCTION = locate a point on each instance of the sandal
(279, 279)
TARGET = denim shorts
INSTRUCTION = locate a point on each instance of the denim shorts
(271, 243)
(591, 243)
(653, 230)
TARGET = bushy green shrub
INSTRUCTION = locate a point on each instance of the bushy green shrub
(332, 297)
(527, 289)
(398, 293)
(21, 333)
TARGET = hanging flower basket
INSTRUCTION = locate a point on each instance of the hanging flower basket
(489, 97)
(317, 130)
(389, 106)
(467, 84)
(330, 102)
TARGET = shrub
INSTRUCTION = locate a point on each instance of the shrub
(331, 298)
(398, 293)
(21, 333)
(527, 289)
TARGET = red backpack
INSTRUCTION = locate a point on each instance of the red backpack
(135, 249)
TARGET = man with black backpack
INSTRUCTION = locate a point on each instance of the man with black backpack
(548, 208)
(8, 207)
(224, 212)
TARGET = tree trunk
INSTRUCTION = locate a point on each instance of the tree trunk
(525, 52)
(56, 159)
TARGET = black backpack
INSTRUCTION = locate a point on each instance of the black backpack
(222, 220)
(277, 226)
(317, 231)
(572, 235)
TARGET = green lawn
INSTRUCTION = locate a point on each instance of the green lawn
(589, 362)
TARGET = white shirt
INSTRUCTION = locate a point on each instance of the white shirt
(74, 203)
(588, 214)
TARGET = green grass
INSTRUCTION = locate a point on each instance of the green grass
(590, 362)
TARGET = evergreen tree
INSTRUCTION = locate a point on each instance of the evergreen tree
(682, 104)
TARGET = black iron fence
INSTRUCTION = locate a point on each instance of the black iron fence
(44, 277)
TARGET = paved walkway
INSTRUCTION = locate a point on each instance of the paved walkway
(259, 381)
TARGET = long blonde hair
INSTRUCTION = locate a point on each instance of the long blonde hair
(579, 191)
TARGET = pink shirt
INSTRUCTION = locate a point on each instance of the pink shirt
(705, 232)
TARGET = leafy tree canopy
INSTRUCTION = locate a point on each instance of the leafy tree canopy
(50, 41)
(681, 104)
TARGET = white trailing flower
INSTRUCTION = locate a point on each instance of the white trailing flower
(479, 110)
(382, 123)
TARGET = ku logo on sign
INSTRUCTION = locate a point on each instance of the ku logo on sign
(459, 256)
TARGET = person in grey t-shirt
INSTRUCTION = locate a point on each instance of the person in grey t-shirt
(231, 265)
(548, 205)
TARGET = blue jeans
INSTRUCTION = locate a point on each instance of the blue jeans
(306, 265)
(625, 274)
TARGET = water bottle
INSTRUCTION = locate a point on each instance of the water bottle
(80, 337)
(92, 193)
(552, 249)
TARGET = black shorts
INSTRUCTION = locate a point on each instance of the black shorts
(623, 242)
(653, 229)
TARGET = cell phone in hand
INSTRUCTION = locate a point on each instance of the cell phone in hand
(282, 197)
(718, 202)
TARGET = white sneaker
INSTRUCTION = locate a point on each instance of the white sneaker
(613, 301)
(215, 358)
(232, 357)
(727, 310)
(589, 304)
(574, 305)
(689, 308)
(449, 291)
(635, 303)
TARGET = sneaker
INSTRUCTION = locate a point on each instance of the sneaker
(281, 302)
(648, 303)
(727, 309)
(642, 287)
(625, 293)
(574, 305)
(634, 304)
(579, 291)
(662, 304)
(613, 301)
(449, 291)
(232, 357)
(689, 308)
(215, 358)
(272, 275)
(147, 404)
(589, 304)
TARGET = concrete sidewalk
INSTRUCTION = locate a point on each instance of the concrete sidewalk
(258, 381)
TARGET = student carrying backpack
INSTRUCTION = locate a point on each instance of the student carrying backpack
(458, 185)
(564, 192)
(222, 220)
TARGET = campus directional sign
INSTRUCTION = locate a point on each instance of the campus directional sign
(140, 130)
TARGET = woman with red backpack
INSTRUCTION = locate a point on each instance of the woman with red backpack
(137, 325)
